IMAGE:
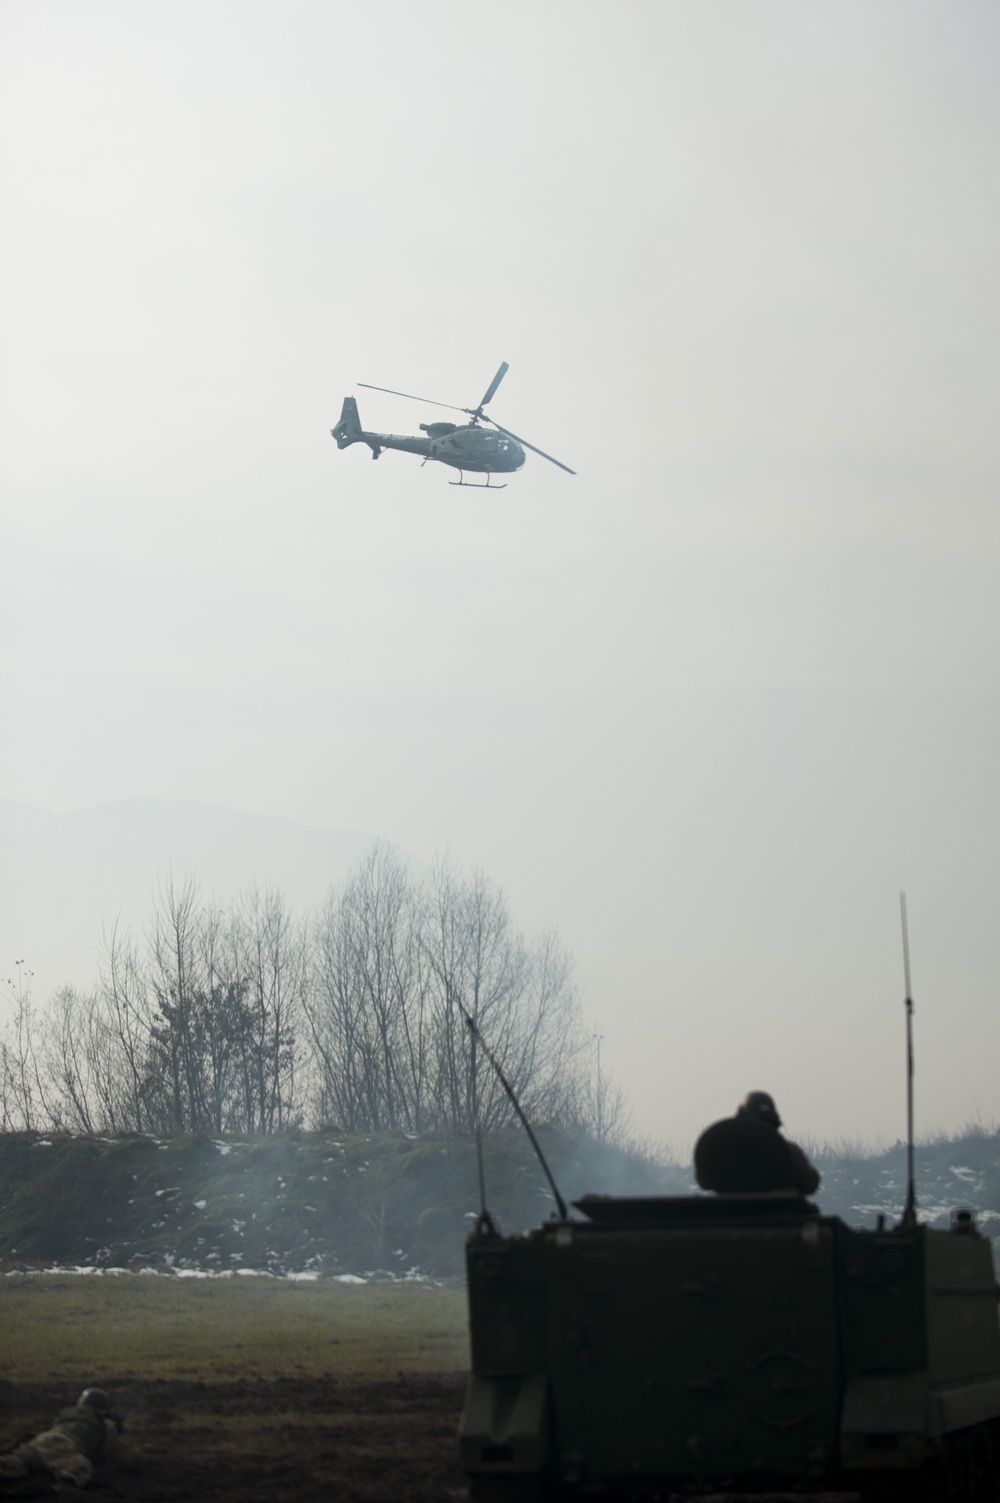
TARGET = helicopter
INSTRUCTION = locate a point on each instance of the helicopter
(464, 446)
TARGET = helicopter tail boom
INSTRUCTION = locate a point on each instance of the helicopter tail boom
(348, 430)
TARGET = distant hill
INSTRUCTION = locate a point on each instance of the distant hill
(64, 876)
(950, 1172)
(325, 1202)
(336, 1204)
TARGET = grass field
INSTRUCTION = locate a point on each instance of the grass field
(262, 1390)
(69, 1329)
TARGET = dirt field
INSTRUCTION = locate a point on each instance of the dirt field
(254, 1390)
(259, 1442)
(386, 1442)
(392, 1441)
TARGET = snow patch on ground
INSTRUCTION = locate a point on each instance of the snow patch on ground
(82, 1270)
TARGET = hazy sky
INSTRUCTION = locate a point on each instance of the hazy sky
(705, 707)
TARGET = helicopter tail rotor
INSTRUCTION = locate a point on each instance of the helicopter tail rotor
(348, 430)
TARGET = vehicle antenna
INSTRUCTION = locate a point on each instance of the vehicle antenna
(473, 1028)
(483, 1212)
(910, 1208)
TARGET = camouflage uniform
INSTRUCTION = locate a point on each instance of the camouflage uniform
(79, 1437)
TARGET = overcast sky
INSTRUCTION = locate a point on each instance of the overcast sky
(707, 706)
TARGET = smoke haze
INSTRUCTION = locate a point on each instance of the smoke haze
(707, 706)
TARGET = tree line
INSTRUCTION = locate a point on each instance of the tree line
(247, 1019)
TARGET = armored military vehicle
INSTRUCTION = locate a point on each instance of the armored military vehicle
(738, 1342)
(731, 1342)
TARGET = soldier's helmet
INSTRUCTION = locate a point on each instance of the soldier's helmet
(95, 1398)
(760, 1105)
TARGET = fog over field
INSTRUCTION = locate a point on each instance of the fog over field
(705, 707)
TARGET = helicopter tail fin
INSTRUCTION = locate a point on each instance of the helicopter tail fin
(348, 430)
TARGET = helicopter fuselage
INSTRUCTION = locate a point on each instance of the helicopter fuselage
(464, 446)
(469, 447)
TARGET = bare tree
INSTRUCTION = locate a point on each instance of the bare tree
(67, 1058)
(127, 1087)
(26, 1098)
(269, 974)
(396, 961)
(479, 965)
(367, 1007)
(7, 1106)
(520, 997)
(204, 1026)
(199, 1031)
(176, 1027)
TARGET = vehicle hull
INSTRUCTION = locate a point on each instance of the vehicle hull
(691, 1342)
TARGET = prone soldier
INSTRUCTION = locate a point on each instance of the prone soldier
(80, 1436)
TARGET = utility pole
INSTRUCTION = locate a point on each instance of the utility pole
(599, 1040)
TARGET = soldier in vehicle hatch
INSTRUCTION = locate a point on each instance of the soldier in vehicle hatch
(79, 1437)
(746, 1154)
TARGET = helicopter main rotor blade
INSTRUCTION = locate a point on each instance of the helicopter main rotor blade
(532, 447)
(491, 389)
(411, 398)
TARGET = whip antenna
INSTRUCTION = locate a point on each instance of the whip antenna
(910, 1208)
(473, 1028)
(479, 1132)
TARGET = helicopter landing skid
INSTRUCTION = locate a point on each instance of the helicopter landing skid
(478, 485)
